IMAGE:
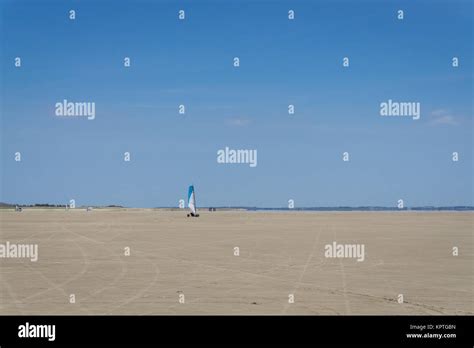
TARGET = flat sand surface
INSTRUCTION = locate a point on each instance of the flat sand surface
(281, 253)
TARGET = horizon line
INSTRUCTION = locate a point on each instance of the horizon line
(342, 207)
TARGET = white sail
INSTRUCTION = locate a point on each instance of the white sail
(192, 199)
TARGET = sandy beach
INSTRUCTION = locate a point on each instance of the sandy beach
(180, 265)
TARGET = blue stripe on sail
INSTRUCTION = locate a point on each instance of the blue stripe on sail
(190, 192)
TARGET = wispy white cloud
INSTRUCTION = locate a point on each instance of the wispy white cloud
(439, 112)
(238, 122)
(443, 117)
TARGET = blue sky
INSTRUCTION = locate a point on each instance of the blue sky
(283, 62)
